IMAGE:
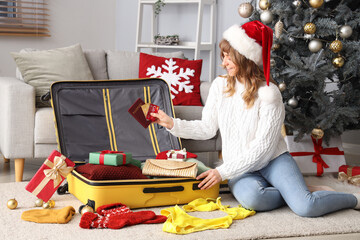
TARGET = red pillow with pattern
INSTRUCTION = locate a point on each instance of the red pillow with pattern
(183, 76)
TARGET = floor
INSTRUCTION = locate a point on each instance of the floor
(7, 175)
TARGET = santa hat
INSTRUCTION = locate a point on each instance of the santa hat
(254, 41)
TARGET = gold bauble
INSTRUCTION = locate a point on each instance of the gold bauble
(39, 202)
(336, 46)
(12, 203)
(51, 203)
(245, 10)
(338, 61)
(264, 4)
(282, 87)
(86, 208)
(46, 205)
(317, 133)
(316, 3)
(310, 28)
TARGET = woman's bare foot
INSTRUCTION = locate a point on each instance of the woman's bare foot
(320, 188)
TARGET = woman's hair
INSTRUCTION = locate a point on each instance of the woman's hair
(247, 70)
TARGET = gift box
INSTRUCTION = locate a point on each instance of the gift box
(50, 175)
(313, 157)
(176, 155)
(350, 174)
(112, 158)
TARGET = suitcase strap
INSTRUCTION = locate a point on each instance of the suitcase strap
(110, 124)
(154, 141)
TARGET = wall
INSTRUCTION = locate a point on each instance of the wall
(177, 19)
(88, 22)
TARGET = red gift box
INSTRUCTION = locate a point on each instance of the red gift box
(351, 174)
(50, 175)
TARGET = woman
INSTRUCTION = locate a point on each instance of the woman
(247, 107)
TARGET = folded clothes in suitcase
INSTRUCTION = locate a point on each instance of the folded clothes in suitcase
(93, 116)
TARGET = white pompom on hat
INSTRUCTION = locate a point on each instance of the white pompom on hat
(253, 40)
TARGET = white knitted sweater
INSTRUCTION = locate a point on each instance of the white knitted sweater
(251, 138)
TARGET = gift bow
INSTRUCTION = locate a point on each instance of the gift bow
(57, 169)
(355, 180)
(321, 164)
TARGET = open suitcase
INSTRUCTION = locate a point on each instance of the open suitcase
(93, 116)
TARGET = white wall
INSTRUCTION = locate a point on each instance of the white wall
(177, 19)
(88, 22)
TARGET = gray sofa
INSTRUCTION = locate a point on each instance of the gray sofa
(27, 132)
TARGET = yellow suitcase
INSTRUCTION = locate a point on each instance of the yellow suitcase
(93, 116)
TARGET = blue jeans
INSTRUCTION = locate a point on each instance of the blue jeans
(281, 183)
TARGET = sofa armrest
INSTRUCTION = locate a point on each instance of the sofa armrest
(204, 91)
(17, 107)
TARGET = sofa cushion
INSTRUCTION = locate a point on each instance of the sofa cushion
(183, 76)
(125, 65)
(41, 68)
(96, 59)
(44, 131)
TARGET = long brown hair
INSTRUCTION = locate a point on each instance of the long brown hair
(248, 71)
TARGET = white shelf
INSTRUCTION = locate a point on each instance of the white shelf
(197, 45)
(182, 45)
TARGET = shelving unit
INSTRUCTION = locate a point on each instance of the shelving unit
(198, 45)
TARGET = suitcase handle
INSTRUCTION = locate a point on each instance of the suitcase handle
(163, 189)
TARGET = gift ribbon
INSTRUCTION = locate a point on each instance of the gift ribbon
(355, 180)
(321, 164)
(102, 156)
(58, 169)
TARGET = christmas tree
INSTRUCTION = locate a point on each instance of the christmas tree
(315, 59)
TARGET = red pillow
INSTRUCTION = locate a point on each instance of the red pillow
(183, 76)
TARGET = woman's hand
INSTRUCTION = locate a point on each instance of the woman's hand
(211, 177)
(163, 119)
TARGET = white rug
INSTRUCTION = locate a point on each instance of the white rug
(274, 224)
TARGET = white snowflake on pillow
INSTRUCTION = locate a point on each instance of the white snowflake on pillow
(180, 79)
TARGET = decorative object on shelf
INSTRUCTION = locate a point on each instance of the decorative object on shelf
(279, 26)
(336, 46)
(316, 3)
(293, 102)
(310, 28)
(315, 45)
(317, 133)
(282, 87)
(264, 4)
(39, 202)
(338, 61)
(166, 40)
(266, 16)
(245, 10)
(157, 6)
(12, 203)
(345, 31)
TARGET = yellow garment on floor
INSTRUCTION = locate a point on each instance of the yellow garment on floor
(62, 215)
(180, 222)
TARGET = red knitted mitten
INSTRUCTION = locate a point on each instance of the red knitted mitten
(119, 208)
(92, 220)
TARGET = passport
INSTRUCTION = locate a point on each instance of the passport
(141, 112)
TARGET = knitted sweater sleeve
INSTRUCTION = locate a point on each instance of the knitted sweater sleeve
(263, 146)
(205, 128)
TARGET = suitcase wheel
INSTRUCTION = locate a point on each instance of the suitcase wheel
(63, 189)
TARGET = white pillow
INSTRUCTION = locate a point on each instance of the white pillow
(42, 68)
